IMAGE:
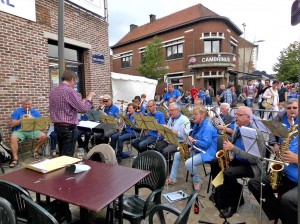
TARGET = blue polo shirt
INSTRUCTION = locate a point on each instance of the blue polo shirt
(175, 94)
(20, 112)
(112, 111)
(291, 170)
(129, 129)
(287, 124)
(160, 118)
(202, 95)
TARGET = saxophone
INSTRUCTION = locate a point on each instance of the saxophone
(183, 148)
(276, 172)
(222, 155)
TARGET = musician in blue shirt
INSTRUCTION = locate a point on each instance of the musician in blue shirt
(26, 111)
(126, 134)
(110, 110)
(204, 137)
(285, 207)
(142, 143)
(172, 93)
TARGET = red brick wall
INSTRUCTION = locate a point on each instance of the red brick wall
(24, 67)
(192, 45)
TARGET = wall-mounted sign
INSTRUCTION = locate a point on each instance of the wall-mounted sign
(192, 60)
(94, 6)
(216, 59)
(98, 58)
(21, 8)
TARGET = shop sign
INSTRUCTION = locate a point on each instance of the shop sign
(16, 7)
(192, 60)
(98, 58)
(216, 59)
(94, 6)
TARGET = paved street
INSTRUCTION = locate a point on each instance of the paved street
(248, 213)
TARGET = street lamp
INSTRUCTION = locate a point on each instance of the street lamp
(254, 45)
(244, 55)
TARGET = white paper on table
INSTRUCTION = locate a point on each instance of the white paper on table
(41, 165)
(249, 137)
(88, 124)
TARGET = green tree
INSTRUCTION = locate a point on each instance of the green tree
(287, 67)
(152, 64)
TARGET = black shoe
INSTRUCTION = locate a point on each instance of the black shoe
(212, 197)
(229, 213)
(222, 212)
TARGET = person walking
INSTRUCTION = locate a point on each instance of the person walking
(64, 104)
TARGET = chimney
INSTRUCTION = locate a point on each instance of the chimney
(152, 18)
(133, 26)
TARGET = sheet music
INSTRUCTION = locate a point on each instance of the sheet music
(185, 133)
(249, 137)
(88, 124)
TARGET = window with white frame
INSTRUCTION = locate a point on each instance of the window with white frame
(212, 46)
(233, 45)
(126, 60)
(212, 73)
(174, 51)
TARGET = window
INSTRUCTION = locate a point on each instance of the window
(212, 46)
(232, 49)
(126, 61)
(175, 51)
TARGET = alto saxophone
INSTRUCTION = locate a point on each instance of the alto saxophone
(223, 155)
(183, 148)
(276, 172)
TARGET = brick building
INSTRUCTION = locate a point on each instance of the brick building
(29, 58)
(200, 46)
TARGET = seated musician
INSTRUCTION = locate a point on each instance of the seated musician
(141, 144)
(285, 116)
(285, 208)
(101, 104)
(140, 107)
(227, 119)
(177, 122)
(171, 93)
(26, 111)
(242, 164)
(204, 137)
(110, 110)
(126, 134)
(198, 102)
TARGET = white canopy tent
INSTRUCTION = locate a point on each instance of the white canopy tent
(126, 87)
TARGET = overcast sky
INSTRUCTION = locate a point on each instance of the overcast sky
(267, 20)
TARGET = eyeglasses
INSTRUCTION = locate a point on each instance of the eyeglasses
(105, 101)
(150, 105)
(237, 114)
(294, 108)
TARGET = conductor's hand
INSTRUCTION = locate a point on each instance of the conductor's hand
(290, 157)
(228, 146)
(90, 96)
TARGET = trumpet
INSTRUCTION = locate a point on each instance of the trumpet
(28, 114)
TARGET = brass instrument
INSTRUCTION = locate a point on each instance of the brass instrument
(223, 155)
(216, 120)
(276, 172)
(184, 148)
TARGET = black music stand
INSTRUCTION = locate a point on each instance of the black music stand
(93, 115)
(34, 124)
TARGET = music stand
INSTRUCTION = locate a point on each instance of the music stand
(109, 120)
(34, 124)
(93, 115)
(126, 120)
(250, 140)
(146, 122)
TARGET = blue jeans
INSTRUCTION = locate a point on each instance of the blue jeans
(66, 138)
(141, 144)
(191, 165)
(120, 139)
(249, 102)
